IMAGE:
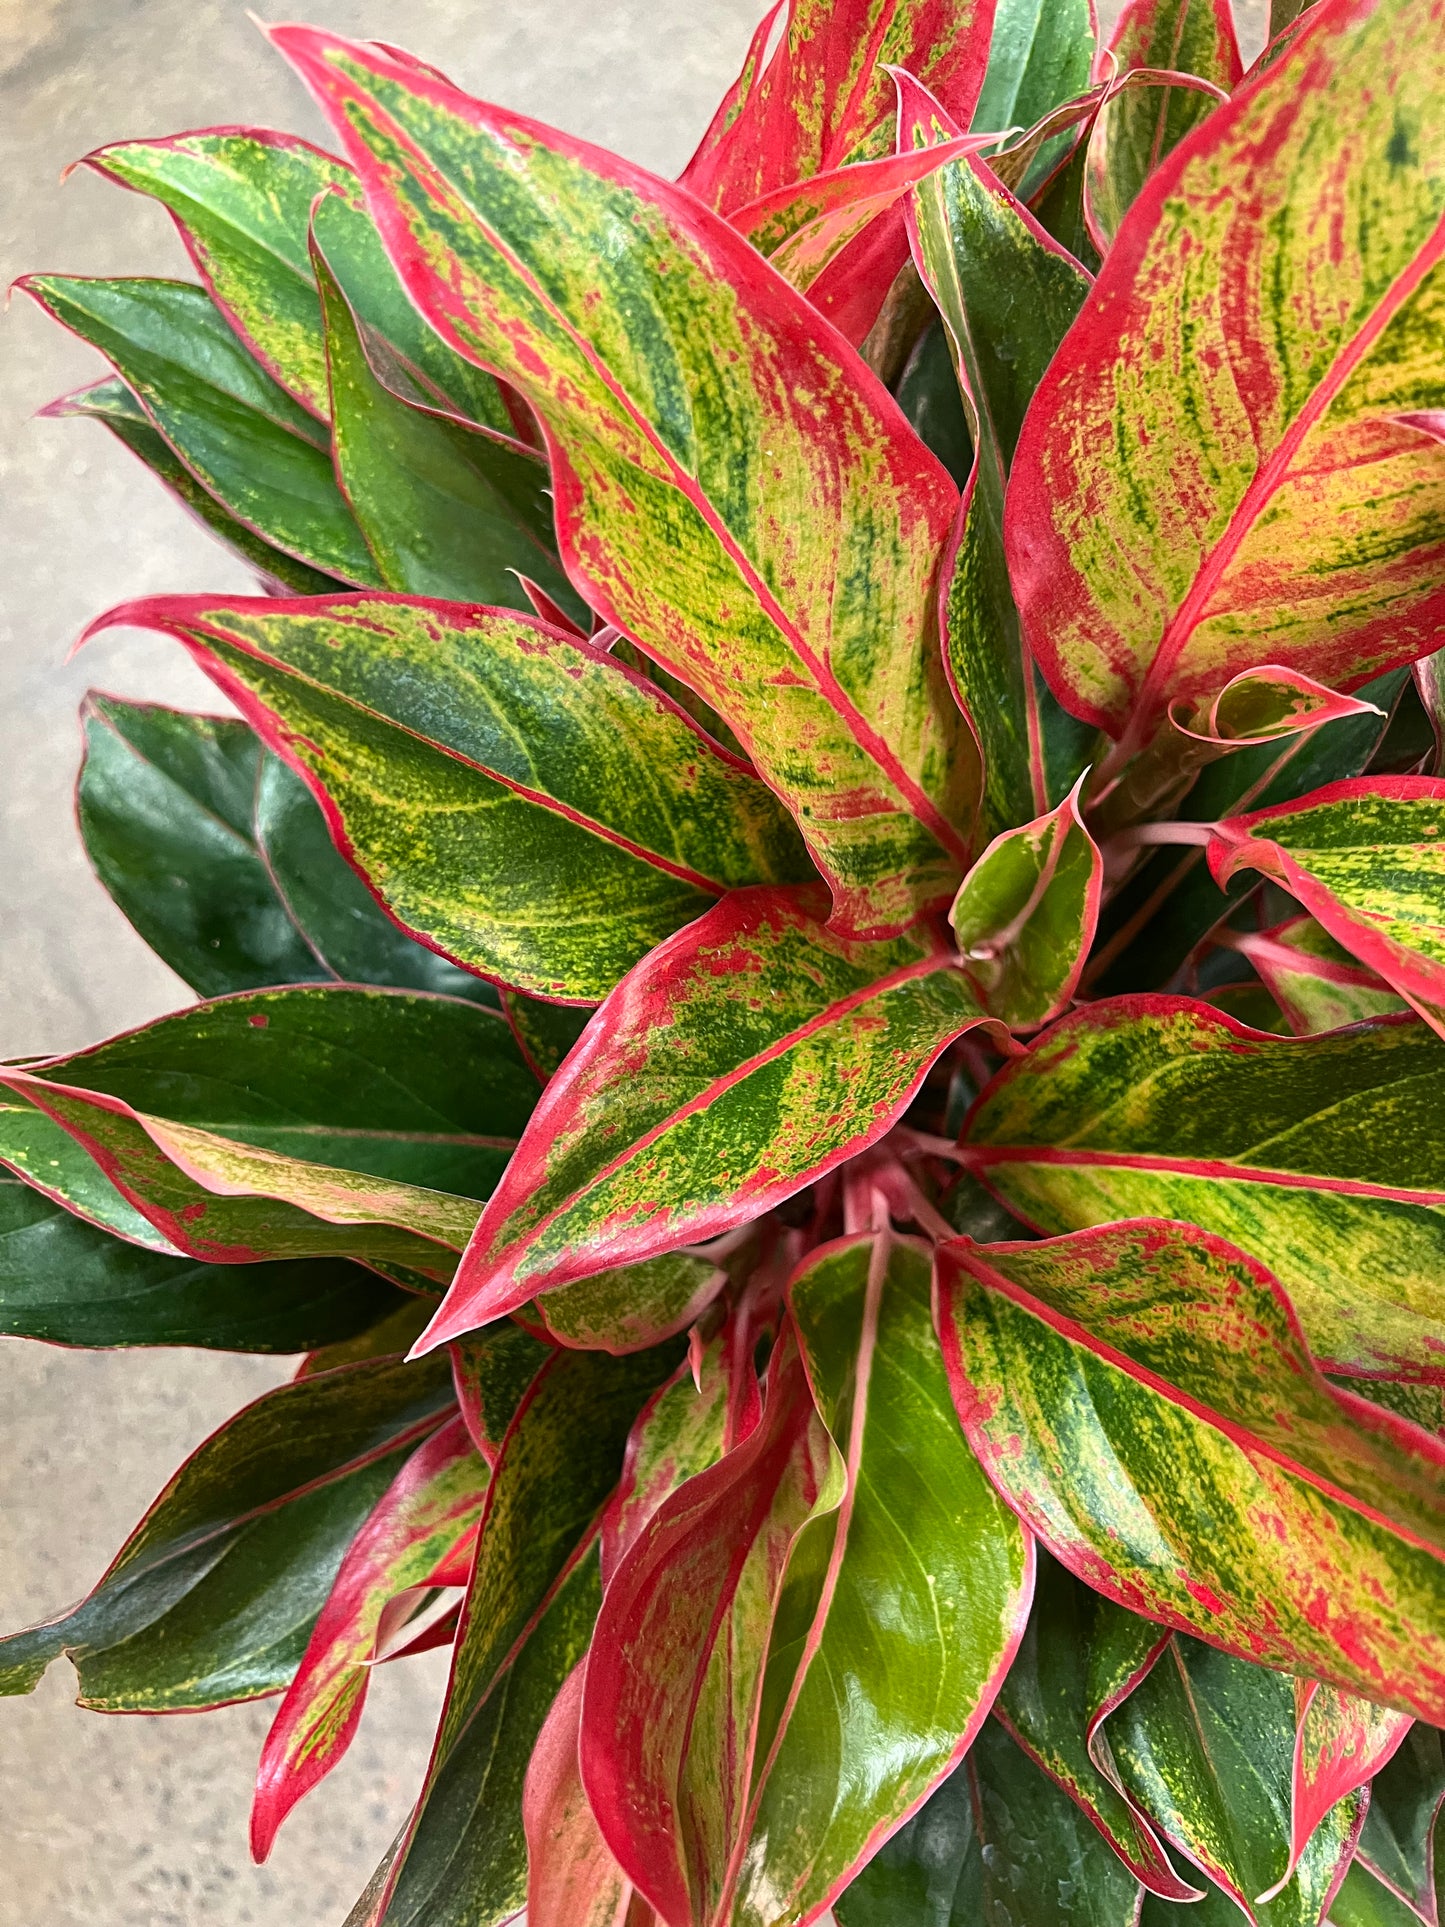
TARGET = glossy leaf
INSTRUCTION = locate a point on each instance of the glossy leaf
(1398, 1843)
(242, 199)
(526, 1621)
(1025, 916)
(1364, 1901)
(1308, 1533)
(1259, 704)
(493, 1372)
(431, 1504)
(1075, 1664)
(883, 1658)
(446, 509)
(112, 403)
(1367, 860)
(213, 1596)
(737, 578)
(44, 1154)
(546, 1032)
(1138, 126)
(998, 1843)
(70, 1283)
(1290, 1147)
(1206, 1743)
(242, 437)
(1041, 55)
(1315, 982)
(524, 802)
(1224, 528)
(572, 1879)
(824, 99)
(1007, 294)
(748, 1055)
(676, 1673)
(1341, 1742)
(631, 1307)
(358, 1109)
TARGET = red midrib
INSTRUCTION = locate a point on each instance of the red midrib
(1271, 473)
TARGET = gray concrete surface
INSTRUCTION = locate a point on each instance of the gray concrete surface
(141, 1822)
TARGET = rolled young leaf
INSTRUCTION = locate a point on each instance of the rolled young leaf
(447, 510)
(1367, 860)
(262, 456)
(432, 1503)
(974, 244)
(1309, 1533)
(882, 1662)
(112, 403)
(671, 1699)
(1162, 1107)
(747, 1056)
(999, 1842)
(213, 1596)
(70, 1283)
(1206, 1743)
(735, 579)
(515, 796)
(526, 1621)
(572, 1879)
(1341, 1743)
(1025, 916)
(825, 100)
(1162, 537)
(1137, 126)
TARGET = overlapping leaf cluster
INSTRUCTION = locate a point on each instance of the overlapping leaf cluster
(820, 924)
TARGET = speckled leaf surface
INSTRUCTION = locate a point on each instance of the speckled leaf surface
(1025, 916)
(747, 1055)
(572, 1879)
(1341, 1743)
(213, 1596)
(1308, 1535)
(630, 1307)
(432, 1503)
(1226, 527)
(1315, 1154)
(516, 796)
(1007, 294)
(745, 503)
(1315, 981)
(824, 99)
(263, 457)
(1367, 860)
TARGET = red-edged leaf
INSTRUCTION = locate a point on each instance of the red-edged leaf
(748, 1055)
(732, 554)
(1315, 982)
(1200, 480)
(630, 1307)
(1309, 1532)
(492, 1373)
(572, 1879)
(824, 100)
(1258, 705)
(1342, 1743)
(431, 1504)
(1366, 858)
(676, 1668)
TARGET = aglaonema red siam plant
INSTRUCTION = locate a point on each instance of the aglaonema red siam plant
(819, 918)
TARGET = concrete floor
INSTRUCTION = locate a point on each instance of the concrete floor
(141, 1822)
